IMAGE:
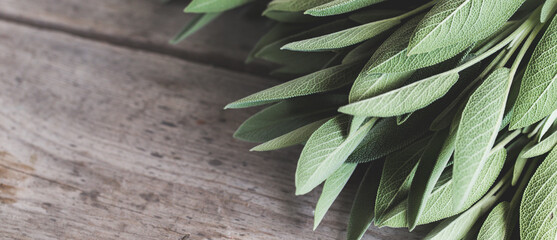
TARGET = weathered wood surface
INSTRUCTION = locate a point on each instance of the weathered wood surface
(105, 142)
(146, 24)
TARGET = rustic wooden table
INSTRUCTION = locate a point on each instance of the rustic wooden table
(108, 132)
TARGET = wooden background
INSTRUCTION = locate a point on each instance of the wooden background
(108, 132)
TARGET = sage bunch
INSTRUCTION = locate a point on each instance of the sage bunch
(450, 105)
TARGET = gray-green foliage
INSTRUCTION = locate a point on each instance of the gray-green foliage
(540, 202)
(538, 90)
(476, 134)
(438, 97)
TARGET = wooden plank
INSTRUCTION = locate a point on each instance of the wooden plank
(103, 142)
(146, 24)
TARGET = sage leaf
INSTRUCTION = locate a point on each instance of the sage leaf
(339, 7)
(277, 32)
(194, 25)
(403, 100)
(548, 10)
(520, 163)
(539, 202)
(331, 189)
(318, 82)
(370, 85)
(538, 89)
(392, 56)
(287, 116)
(361, 214)
(548, 123)
(542, 147)
(343, 38)
(439, 204)
(214, 6)
(393, 137)
(495, 224)
(430, 167)
(398, 171)
(458, 226)
(326, 150)
(477, 132)
(452, 22)
(293, 5)
(356, 123)
(298, 136)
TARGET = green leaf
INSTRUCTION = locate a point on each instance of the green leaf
(339, 7)
(298, 136)
(430, 167)
(401, 119)
(452, 22)
(194, 25)
(287, 116)
(477, 132)
(343, 38)
(439, 204)
(326, 150)
(542, 147)
(495, 224)
(293, 5)
(392, 56)
(458, 226)
(393, 138)
(214, 6)
(370, 85)
(548, 123)
(277, 32)
(548, 10)
(405, 99)
(363, 50)
(356, 123)
(539, 202)
(520, 163)
(538, 89)
(398, 171)
(318, 82)
(363, 207)
(331, 189)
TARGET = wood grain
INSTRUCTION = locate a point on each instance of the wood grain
(104, 142)
(148, 25)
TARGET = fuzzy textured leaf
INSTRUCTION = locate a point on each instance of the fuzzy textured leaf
(326, 150)
(370, 85)
(430, 167)
(392, 56)
(298, 136)
(539, 203)
(321, 81)
(405, 99)
(397, 175)
(343, 38)
(213, 6)
(361, 214)
(287, 116)
(331, 189)
(478, 129)
(495, 224)
(339, 7)
(549, 8)
(451, 22)
(538, 89)
(439, 204)
(542, 147)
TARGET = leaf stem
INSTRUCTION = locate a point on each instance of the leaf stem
(506, 140)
